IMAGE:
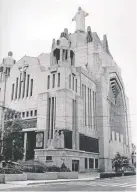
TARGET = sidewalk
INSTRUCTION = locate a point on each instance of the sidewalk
(82, 177)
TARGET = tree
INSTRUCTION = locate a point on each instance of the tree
(13, 136)
(120, 162)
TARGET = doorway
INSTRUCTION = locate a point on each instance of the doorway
(75, 165)
(31, 143)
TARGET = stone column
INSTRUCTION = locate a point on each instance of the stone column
(25, 146)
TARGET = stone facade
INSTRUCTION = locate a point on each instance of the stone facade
(74, 101)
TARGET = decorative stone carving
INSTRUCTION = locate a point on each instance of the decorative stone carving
(57, 140)
(39, 140)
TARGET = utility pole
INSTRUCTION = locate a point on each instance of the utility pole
(3, 110)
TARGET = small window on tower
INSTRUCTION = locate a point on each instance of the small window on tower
(76, 85)
(23, 114)
(53, 83)
(35, 112)
(48, 82)
(31, 113)
(27, 113)
(73, 84)
(58, 79)
(69, 81)
(115, 136)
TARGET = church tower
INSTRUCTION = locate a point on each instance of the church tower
(61, 52)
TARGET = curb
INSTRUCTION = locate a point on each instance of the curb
(60, 181)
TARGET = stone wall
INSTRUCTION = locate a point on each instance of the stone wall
(66, 156)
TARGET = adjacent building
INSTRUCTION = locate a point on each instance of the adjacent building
(73, 100)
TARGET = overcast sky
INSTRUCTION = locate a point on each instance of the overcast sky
(28, 27)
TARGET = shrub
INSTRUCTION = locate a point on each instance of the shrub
(116, 174)
(53, 168)
(129, 173)
(33, 168)
(42, 169)
(64, 168)
(112, 174)
(10, 171)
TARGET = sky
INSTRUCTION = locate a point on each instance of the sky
(27, 27)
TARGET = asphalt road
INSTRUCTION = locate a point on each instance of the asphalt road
(127, 183)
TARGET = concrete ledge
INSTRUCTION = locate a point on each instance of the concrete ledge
(42, 176)
(67, 175)
(15, 177)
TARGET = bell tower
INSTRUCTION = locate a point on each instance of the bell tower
(61, 50)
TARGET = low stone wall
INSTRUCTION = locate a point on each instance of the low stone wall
(52, 175)
(15, 177)
(67, 175)
(42, 176)
(2, 178)
(38, 176)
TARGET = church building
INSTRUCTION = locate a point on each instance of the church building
(72, 100)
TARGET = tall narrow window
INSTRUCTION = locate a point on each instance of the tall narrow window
(53, 83)
(76, 85)
(73, 84)
(86, 162)
(82, 91)
(20, 85)
(23, 114)
(69, 81)
(48, 82)
(31, 113)
(27, 93)
(49, 106)
(115, 136)
(58, 79)
(16, 88)
(35, 113)
(93, 109)
(85, 108)
(12, 94)
(31, 87)
(27, 113)
(24, 81)
(52, 117)
(88, 108)
(96, 163)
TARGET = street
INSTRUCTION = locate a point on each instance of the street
(127, 183)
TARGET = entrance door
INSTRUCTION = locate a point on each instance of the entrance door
(31, 143)
(75, 165)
